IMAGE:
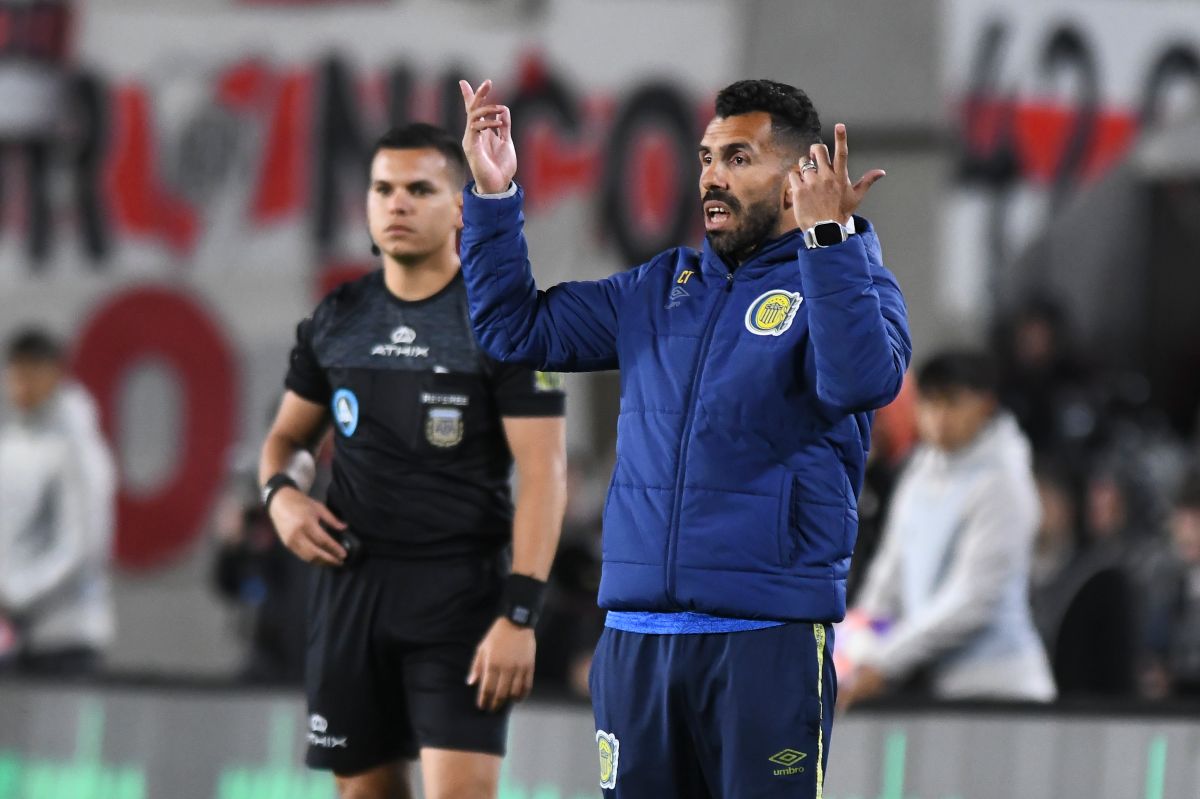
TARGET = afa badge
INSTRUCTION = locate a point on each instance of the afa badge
(610, 748)
(444, 427)
(345, 411)
(772, 313)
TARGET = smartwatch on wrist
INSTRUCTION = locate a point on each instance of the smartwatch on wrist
(825, 234)
(271, 488)
(523, 600)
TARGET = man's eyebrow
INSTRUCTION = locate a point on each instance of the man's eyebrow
(728, 148)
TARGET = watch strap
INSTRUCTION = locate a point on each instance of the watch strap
(274, 483)
(523, 599)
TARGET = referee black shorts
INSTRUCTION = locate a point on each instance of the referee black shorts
(390, 643)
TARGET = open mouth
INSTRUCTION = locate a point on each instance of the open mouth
(717, 215)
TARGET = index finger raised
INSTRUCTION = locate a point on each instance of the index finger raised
(841, 152)
(473, 97)
(481, 93)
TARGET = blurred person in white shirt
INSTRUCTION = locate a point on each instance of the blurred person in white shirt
(57, 492)
(949, 585)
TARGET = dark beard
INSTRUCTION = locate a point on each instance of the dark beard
(757, 224)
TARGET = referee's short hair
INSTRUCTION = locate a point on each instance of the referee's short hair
(957, 370)
(34, 345)
(423, 136)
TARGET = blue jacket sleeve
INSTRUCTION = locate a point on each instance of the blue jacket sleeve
(572, 327)
(858, 324)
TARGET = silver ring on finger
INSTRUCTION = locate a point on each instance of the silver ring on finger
(808, 166)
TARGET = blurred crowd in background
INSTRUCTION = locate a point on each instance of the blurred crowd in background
(1114, 582)
(204, 194)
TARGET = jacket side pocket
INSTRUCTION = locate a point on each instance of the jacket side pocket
(816, 531)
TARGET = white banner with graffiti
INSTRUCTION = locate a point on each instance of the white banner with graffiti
(180, 182)
(1050, 98)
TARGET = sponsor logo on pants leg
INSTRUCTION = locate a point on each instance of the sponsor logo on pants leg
(318, 726)
(788, 762)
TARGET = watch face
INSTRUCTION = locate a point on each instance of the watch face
(828, 233)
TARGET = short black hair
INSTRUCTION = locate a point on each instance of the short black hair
(423, 136)
(955, 370)
(794, 119)
(34, 345)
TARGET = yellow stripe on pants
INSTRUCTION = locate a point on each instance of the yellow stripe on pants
(819, 634)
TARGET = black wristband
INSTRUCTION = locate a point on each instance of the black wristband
(523, 599)
(277, 481)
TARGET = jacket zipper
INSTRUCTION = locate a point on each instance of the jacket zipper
(673, 533)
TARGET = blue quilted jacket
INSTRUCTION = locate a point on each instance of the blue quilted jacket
(746, 406)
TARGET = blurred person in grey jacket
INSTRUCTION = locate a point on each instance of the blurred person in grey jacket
(57, 486)
(952, 573)
(1173, 660)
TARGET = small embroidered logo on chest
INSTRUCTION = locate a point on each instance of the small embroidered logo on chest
(676, 296)
(772, 313)
(402, 345)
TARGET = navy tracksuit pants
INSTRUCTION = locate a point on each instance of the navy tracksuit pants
(738, 715)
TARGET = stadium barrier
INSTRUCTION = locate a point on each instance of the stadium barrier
(155, 739)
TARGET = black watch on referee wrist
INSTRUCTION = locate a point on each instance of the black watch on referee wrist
(523, 600)
(271, 488)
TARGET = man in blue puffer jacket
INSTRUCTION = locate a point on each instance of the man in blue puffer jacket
(749, 373)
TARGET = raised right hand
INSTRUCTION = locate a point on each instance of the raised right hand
(297, 519)
(487, 140)
(821, 188)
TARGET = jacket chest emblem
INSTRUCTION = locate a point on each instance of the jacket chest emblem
(773, 312)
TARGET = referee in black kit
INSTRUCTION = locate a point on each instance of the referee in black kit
(419, 637)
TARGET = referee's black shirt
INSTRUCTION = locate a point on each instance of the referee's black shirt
(421, 464)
